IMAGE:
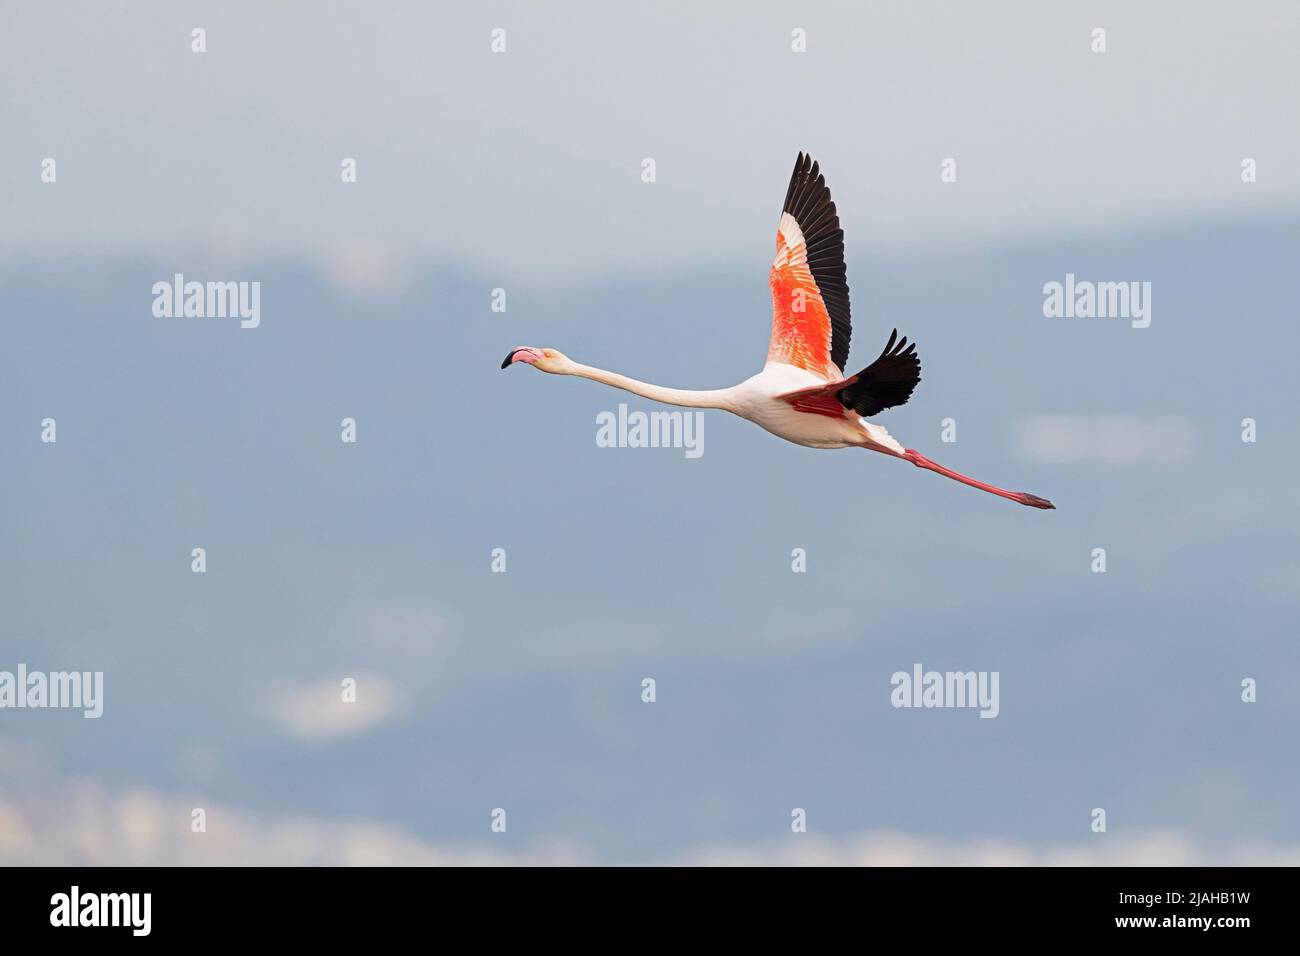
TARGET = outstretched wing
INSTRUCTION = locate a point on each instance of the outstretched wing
(810, 295)
(886, 382)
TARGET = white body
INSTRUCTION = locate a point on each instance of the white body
(755, 399)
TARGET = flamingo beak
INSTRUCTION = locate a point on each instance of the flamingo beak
(520, 355)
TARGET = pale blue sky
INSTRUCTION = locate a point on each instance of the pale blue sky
(527, 162)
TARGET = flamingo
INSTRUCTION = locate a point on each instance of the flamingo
(802, 393)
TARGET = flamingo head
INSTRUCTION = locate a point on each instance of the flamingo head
(548, 360)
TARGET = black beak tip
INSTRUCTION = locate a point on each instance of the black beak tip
(506, 363)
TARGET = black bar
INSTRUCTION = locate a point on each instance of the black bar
(331, 905)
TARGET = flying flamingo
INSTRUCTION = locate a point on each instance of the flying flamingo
(802, 394)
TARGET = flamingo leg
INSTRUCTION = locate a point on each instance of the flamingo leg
(1023, 497)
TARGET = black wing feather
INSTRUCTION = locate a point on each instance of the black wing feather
(886, 382)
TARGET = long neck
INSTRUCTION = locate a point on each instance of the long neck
(689, 398)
